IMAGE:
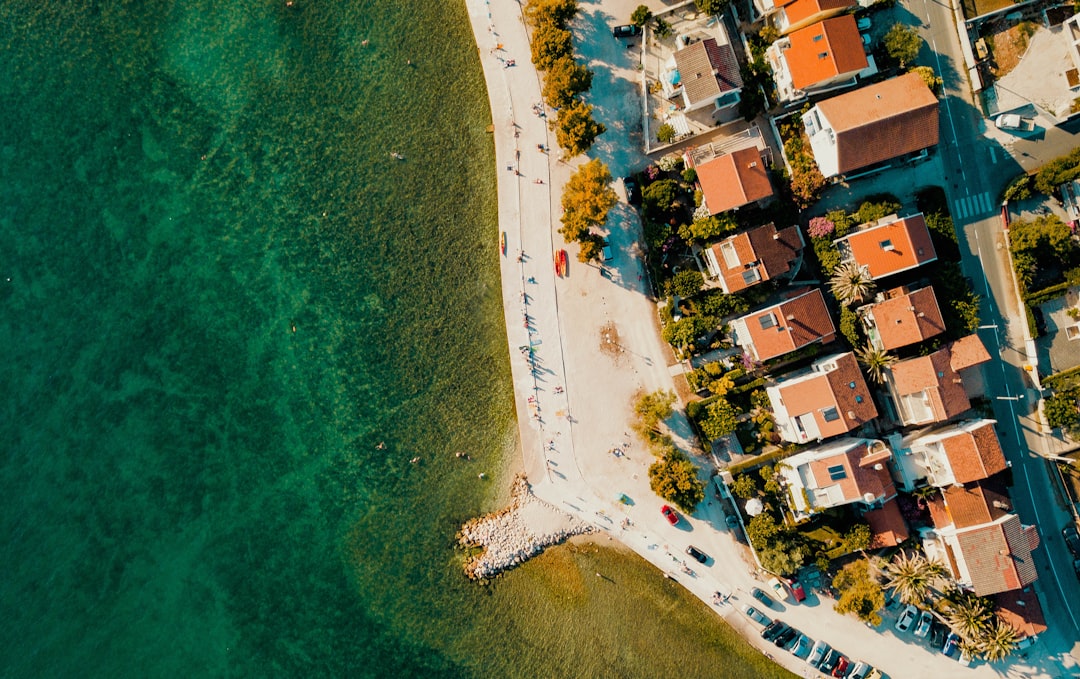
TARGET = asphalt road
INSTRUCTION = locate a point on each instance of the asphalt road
(977, 167)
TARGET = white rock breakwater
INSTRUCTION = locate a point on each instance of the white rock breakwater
(517, 533)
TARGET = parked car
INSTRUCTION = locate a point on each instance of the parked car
(786, 637)
(1072, 538)
(1076, 567)
(923, 628)
(832, 659)
(907, 616)
(937, 634)
(732, 522)
(626, 31)
(633, 195)
(701, 556)
(773, 630)
(756, 615)
(761, 596)
(605, 252)
(817, 653)
(874, 674)
(951, 642)
(801, 647)
(778, 589)
(1014, 121)
(865, 40)
(670, 514)
(864, 24)
(860, 670)
(797, 590)
(842, 667)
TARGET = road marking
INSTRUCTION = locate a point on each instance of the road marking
(973, 206)
(984, 201)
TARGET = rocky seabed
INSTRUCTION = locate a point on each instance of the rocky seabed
(508, 538)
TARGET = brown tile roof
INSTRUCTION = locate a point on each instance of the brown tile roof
(764, 249)
(734, 179)
(790, 325)
(1021, 609)
(832, 389)
(974, 455)
(889, 248)
(909, 318)
(824, 50)
(707, 70)
(998, 556)
(933, 375)
(800, 10)
(887, 526)
(975, 504)
(967, 352)
(858, 481)
(875, 123)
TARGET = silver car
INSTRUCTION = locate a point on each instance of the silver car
(817, 653)
(756, 615)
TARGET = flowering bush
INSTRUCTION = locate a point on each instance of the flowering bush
(652, 172)
(820, 227)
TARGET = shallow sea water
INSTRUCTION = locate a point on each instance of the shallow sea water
(223, 295)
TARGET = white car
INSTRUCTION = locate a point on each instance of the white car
(817, 653)
(907, 616)
(860, 671)
(778, 589)
(923, 628)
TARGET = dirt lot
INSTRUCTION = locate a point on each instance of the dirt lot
(1008, 46)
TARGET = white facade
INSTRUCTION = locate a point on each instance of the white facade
(921, 455)
(822, 142)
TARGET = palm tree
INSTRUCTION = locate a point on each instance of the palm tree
(998, 641)
(911, 577)
(876, 361)
(851, 283)
(969, 615)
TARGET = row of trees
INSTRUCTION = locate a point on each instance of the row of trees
(587, 198)
(565, 80)
(673, 476)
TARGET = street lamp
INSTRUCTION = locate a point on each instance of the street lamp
(1012, 398)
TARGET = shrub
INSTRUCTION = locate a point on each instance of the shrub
(671, 162)
(1061, 411)
(1019, 189)
(873, 211)
(674, 478)
(903, 44)
(719, 421)
(706, 228)
(665, 133)
(711, 6)
(659, 197)
(929, 77)
(720, 304)
(850, 327)
(689, 175)
(687, 283)
(820, 227)
(744, 486)
(641, 15)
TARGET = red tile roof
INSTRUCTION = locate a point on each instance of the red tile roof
(933, 376)
(887, 526)
(733, 180)
(763, 249)
(882, 121)
(859, 480)
(907, 318)
(842, 388)
(1021, 609)
(974, 455)
(998, 556)
(707, 70)
(789, 325)
(824, 50)
(799, 10)
(967, 352)
(891, 247)
(975, 504)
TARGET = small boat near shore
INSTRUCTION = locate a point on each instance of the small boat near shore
(562, 263)
(502, 243)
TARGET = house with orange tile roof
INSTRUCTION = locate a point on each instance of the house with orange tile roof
(902, 317)
(801, 13)
(929, 389)
(959, 453)
(817, 58)
(980, 540)
(1021, 609)
(826, 399)
(888, 246)
(755, 256)
(732, 180)
(703, 72)
(848, 471)
(887, 525)
(781, 328)
(871, 125)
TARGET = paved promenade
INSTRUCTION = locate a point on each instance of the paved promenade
(595, 344)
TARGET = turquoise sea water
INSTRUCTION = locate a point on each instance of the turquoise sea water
(219, 293)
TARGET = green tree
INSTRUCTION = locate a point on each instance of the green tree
(655, 407)
(684, 332)
(858, 538)
(720, 420)
(998, 640)
(674, 478)
(929, 77)
(718, 303)
(875, 361)
(783, 558)
(549, 44)
(762, 529)
(554, 12)
(575, 129)
(743, 486)
(711, 6)
(851, 283)
(850, 326)
(665, 133)
(903, 44)
(860, 593)
(969, 615)
(659, 197)
(807, 182)
(871, 211)
(588, 197)
(912, 577)
(592, 247)
(703, 229)
(641, 15)
(689, 175)
(564, 81)
(687, 283)
(1061, 411)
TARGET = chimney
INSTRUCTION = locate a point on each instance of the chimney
(957, 380)
(922, 315)
(911, 308)
(790, 317)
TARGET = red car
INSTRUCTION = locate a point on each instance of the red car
(797, 590)
(841, 667)
(670, 515)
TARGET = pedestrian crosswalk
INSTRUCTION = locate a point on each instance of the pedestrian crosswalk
(973, 206)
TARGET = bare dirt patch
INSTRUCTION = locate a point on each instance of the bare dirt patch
(1008, 46)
